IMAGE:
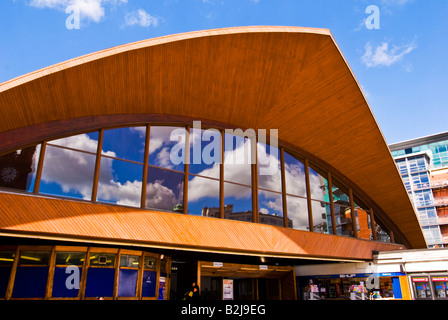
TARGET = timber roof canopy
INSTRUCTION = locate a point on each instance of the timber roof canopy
(288, 78)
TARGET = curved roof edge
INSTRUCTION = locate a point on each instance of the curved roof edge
(330, 87)
(152, 42)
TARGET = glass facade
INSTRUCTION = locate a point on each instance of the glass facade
(415, 172)
(81, 273)
(207, 172)
(438, 150)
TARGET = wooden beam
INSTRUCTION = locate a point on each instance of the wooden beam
(284, 200)
(186, 169)
(96, 174)
(145, 166)
(308, 196)
(353, 213)
(40, 165)
(330, 193)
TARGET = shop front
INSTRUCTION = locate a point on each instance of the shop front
(430, 286)
(363, 286)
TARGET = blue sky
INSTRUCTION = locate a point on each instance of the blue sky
(402, 66)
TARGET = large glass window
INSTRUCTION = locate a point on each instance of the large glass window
(417, 164)
(238, 176)
(18, 168)
(319, 191)
(205, 152)
(424, 198)
(165, 189)
(128, 274)
(77, 153)
(120, 182)
(270, 196)
(295, 184)
(167, 147)
(219, 165)
(204, 169)
(125, 143)
(203, 196)
(238, 202)
(420, 180)
(238, 159)
(67, 274)
(32, 268)
(100, 275)
(121, 167)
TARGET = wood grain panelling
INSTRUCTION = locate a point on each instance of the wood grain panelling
(25, 215)
(287, 78)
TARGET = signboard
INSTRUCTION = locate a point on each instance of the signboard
(162, 288)
(439, 278)
(218, 264)
(263, 267)
(420, 279)
(227, 289)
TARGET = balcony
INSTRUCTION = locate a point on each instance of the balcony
(425, 203)
(421, 185)
(443, 219)
(438, 184)
(441, 202)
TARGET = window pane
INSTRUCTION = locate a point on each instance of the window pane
(70, 258)
(340, 196)
(34, 257)
(167, 147)
(294, 176)
(237, 202)
(165, 190)
(120, 182)
(237, 159)
(130, 261)
(6, 261)
(125, 143)
(102, 259)
(84, 142)
(149, 263)
(298, 212)
(18, 168)
(270, 208)
(58, 180)
(318, 186)
(205, 152)
(203, 196)
(321, 217)
(269, 167)
(344, 225)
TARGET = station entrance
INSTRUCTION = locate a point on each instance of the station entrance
(231, 281)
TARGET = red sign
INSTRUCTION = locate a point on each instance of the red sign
(423, 279)
(439, 278)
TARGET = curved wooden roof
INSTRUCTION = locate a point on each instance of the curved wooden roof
(287, 78)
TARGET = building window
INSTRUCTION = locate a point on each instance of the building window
(229, 175)
(67, 274)
(33, 268)
(6, 261)
(18, 169)
(77, 153)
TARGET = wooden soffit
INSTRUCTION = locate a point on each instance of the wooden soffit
(291, 79)
(56, 219)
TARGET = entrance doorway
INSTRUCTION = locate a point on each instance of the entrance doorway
(248, 282)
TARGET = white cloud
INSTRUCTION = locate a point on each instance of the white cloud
(90, 9)
(141, 18)
(383, 55)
